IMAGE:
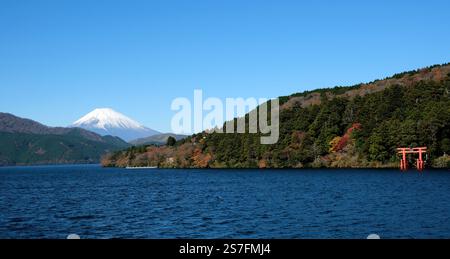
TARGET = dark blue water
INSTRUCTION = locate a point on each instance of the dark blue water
(54, 201)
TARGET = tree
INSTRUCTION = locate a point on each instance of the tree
(445, 146)
(377, 151)
(171, 141)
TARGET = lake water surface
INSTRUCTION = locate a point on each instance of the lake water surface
(94, 202)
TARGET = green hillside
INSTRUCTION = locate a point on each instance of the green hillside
(359, 126)
(26, 149)
(25, 142)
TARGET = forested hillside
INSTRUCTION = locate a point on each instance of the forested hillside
(358, 126)
(27, 142)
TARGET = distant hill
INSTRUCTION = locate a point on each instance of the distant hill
(355, 126)
(159, 139)
(106, 121)
(26, 142)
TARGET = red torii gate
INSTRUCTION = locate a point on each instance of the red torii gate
(419, 162)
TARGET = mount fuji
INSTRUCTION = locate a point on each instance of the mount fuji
(106, 121)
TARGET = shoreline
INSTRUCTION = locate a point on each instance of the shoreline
(216, 168)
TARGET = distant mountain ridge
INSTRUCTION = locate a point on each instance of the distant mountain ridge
(13, 124)
(106, 121)
(25, 142)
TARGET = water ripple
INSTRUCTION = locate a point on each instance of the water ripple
(51, 202)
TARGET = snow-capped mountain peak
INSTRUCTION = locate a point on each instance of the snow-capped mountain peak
(104, 118)
(106, 121)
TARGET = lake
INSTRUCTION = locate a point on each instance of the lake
(95, 202)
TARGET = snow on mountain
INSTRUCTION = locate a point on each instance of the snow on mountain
(106, 121)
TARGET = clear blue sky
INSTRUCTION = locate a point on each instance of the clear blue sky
(61, 59)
